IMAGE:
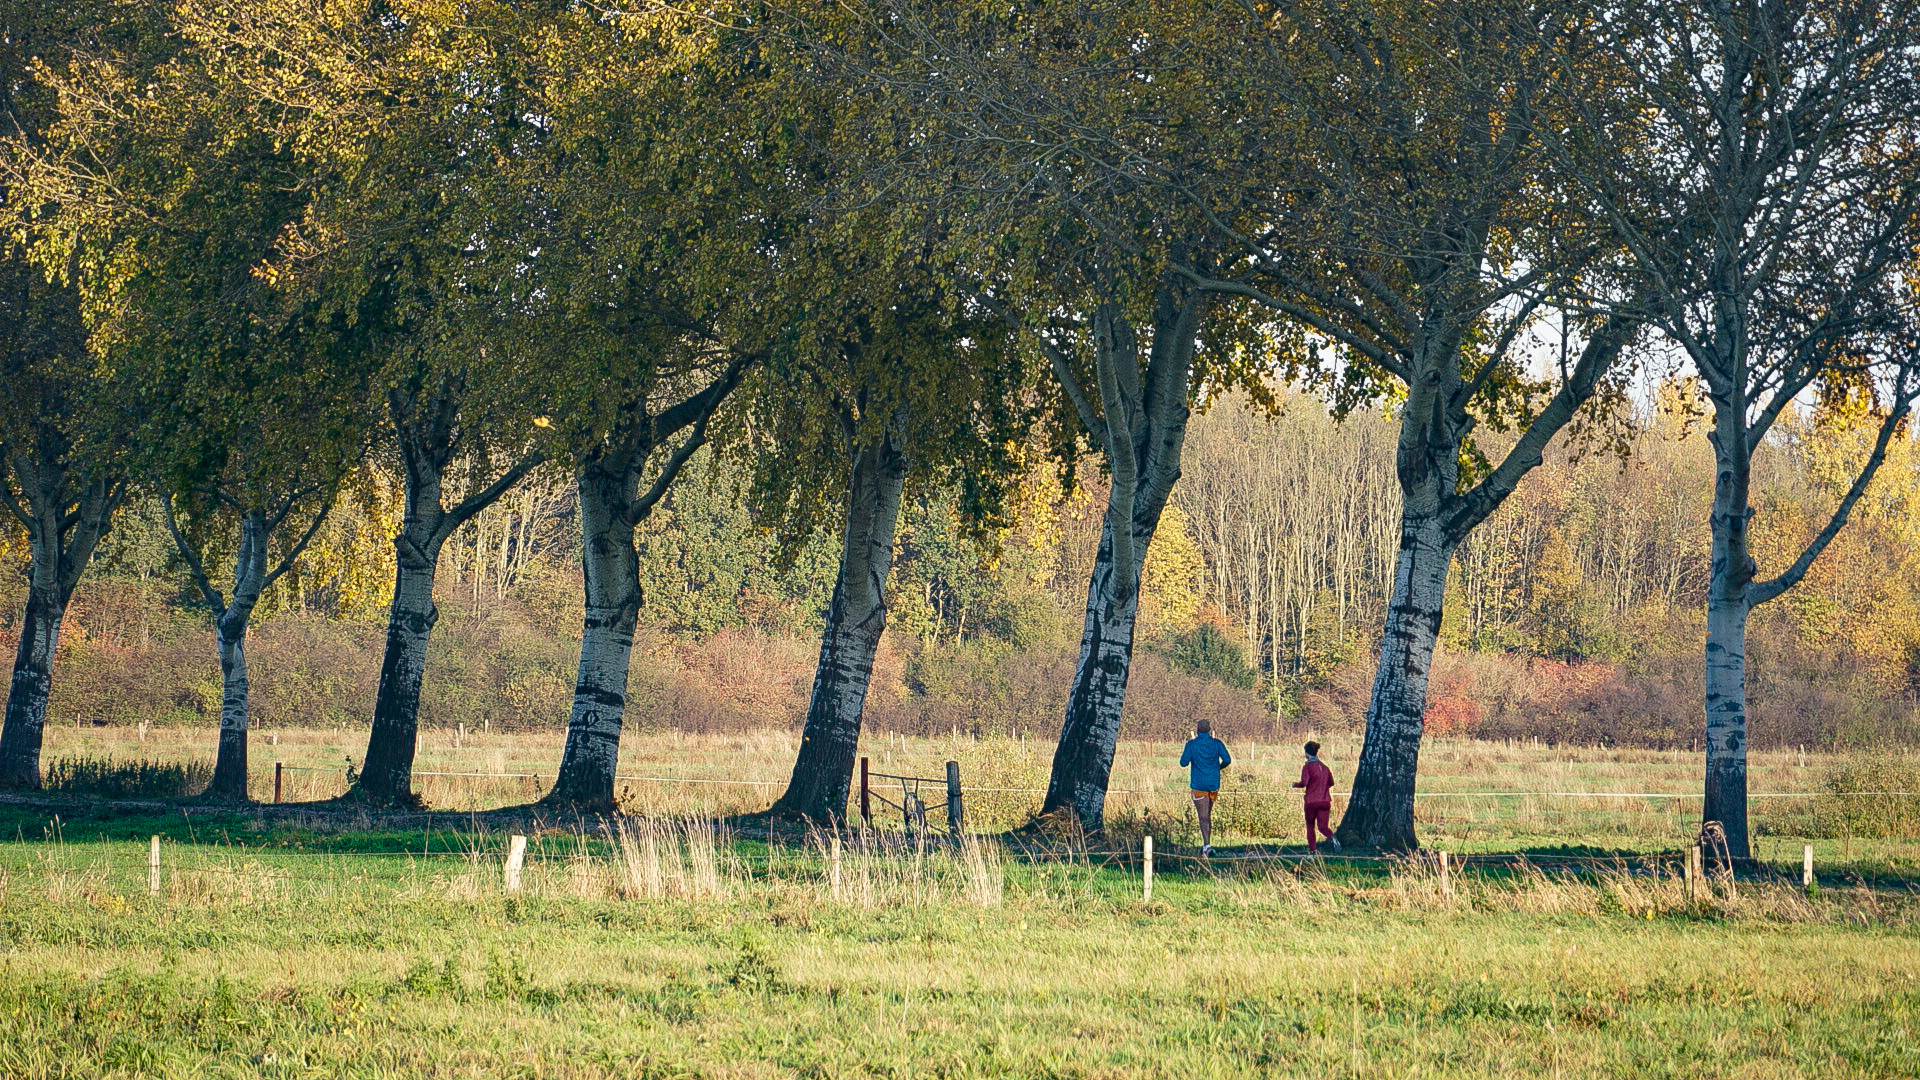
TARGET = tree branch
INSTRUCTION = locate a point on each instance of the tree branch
(473, 504)
(215, 603)
(1762, 591)
(299, 548)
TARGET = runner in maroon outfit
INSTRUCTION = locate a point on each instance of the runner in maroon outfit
(1318, 780)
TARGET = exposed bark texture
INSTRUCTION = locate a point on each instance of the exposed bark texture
(427, 430)
(65, 516)
(612, 506)
(1733, 591)
(233, 615)
(1380, 811)
(1435, 517)
(612, 573)
(1141, 423)
(823, 770)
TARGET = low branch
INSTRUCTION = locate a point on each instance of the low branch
(1762, 591)
(215, 603)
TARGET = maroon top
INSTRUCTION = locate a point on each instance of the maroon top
(1318, 780)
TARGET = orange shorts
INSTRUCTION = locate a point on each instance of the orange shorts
(1207, 795)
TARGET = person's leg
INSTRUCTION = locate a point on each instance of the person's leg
(1312, 844)
(1319, 818)
(1204, 807)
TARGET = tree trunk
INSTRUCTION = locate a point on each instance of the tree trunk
(823, 771)
(1083, 761)
(1729, 601)
(1142, 425)
(612, 570)
(1726, 795)
(387, 777)
(32, 683)
(1380, 809)
(230, 767)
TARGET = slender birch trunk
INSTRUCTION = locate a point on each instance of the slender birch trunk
(823, 771)
(1083, 760)
(1380, 811)
(64, 524)
(1141, 423)
(428, 433)
(31, 687)
(387, 775)
(1730, 599)
(612, 506)
(612, 571)
(1435, 517)
(230, 766)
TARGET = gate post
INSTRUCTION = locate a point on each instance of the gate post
(956, 818)
(866, 800)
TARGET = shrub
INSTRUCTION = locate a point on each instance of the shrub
(1207, 650)
(127, 779)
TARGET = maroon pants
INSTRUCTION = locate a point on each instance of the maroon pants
(1317, 815)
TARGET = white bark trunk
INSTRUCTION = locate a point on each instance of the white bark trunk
(63, 528)
(611, 567)
(830, 740)
(387, 776)
(230, 767)
(1380, 810)
(1729, 601)
(1083, 760)
(29, 691)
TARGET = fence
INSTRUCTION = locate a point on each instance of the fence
(1461, 819)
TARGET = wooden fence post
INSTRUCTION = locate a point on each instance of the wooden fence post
(1446, 877)
(276, 782)
(153, 868)
(866, 801)
(1146, 869)
(1806, 866)
(956, 820)
(516, 857)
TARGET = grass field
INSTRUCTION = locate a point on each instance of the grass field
(307, 943)
(275, 949)
(1457, 811)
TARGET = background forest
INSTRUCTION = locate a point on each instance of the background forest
(1575, 613)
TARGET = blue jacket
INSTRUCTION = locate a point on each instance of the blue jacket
(1206, 754)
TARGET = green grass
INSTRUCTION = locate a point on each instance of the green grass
(282, 951)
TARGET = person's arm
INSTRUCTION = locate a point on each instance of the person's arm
(1226, 759)
(1186, 755)
(1302, 782)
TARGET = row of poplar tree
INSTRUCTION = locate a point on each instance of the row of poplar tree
(916, 242)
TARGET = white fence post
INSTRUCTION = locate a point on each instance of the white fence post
(516, 857)
(1146, 868)
(153, 868)
(1806, 866)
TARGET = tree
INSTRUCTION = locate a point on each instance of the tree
(403, 112)
(913, 392)
(1044, 128)
(60, 477)
(61, 472)
(653, 204)
(1393, 202)
(1766, 191)
(169, 192)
